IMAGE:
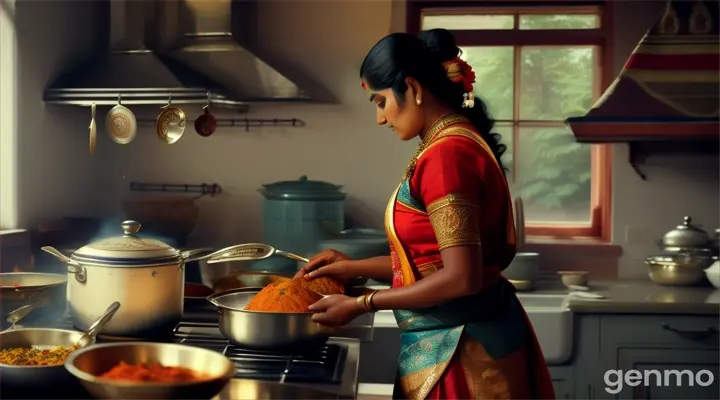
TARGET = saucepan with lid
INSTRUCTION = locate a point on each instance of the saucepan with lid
(146, 275)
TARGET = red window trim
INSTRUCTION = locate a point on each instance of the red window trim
(600, 216)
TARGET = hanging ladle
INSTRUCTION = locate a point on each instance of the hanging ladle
(206, 124)
(93, 130)
(252, 251)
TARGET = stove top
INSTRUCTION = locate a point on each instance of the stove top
(320, 365)
(317, 365)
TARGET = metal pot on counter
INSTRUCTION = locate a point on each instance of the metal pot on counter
(688, 238)
(298, 215)
(145, 275)
(686, 252)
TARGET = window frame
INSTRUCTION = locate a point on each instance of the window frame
(601, 181)
(8, 119)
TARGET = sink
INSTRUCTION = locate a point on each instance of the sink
(552, 321)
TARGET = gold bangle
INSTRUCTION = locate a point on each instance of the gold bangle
(361, 300)
(369, 301)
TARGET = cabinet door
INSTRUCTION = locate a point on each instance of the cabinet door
(562, 380)
(663, 360)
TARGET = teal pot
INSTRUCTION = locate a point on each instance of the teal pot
(300, 214)
(524, 267)
(359, 244)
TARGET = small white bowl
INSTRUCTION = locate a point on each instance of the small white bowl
(574, 278)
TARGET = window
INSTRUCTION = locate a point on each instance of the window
(536, 66)
(8, 51)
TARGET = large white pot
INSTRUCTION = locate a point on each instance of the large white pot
(145, 275)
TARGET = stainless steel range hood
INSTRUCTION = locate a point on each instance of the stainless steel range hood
(143, 67)
(214, 38)
(131, 68)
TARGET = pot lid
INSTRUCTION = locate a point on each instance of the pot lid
(302, 189)
(128, 249)
(688, 233)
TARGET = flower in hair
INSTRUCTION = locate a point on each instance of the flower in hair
(460, 71)
(362, 84)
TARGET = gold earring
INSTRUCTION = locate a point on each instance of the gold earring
(418, 101)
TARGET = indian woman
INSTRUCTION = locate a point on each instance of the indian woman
(450, 227)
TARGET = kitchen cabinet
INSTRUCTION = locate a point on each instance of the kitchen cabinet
(378, 359)
(603, 342)
(563, 381)
(646, 343)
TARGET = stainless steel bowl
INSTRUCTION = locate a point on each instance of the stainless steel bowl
(30, 377)
(89, 363)
(265, 330)
(257, 279)
(677, 269)
(48, 291)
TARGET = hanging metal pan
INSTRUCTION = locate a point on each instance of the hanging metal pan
(120, 123)
(170, 124)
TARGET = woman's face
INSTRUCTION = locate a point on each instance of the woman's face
(404, 118)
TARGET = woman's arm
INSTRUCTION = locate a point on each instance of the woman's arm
(460, 276)
(378, 268)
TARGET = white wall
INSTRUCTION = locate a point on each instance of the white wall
(341, 144)
(56, 175)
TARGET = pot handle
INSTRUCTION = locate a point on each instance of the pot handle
(89, 337)
(73, 267)
(16, 315)
(217, 253)
(212, 300)
(187, 255)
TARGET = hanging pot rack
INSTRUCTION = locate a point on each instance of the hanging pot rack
(246, 123)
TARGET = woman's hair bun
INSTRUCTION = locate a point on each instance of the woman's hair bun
(440, 43)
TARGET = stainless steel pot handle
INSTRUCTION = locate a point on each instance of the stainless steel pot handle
(215, 254)
(187, 256)
(292, 256)
(89, 337)
(73, 267)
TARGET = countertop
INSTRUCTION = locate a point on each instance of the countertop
(632, 297)
(641, 297)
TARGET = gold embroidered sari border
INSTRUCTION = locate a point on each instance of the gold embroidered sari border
(452, 199)
(454, 219)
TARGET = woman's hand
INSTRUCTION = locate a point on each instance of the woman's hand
(336, 310)
(329, 263)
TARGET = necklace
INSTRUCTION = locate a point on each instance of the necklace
(437, 126)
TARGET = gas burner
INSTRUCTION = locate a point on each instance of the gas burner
(321, 365)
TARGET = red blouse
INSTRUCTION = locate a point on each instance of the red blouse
(457, 195)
